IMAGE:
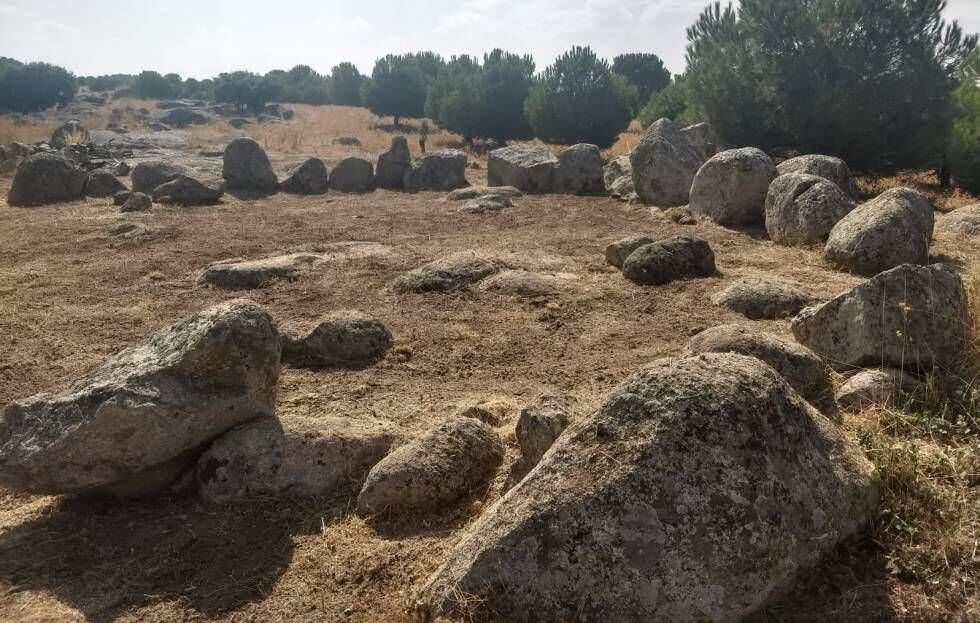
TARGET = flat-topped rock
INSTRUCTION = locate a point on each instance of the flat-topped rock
(439, 170)
(528, 168)
(759, 298)
(190, 191)
(448, 273)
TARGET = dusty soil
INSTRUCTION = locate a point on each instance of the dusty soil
(72, 293)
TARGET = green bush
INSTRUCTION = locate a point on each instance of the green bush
(579, 100)
(482, 100)
(673, 102)
(34, 86)
(246, 90)
(870, 81)
(964, 143)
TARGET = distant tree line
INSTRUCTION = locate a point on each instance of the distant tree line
(884, 84)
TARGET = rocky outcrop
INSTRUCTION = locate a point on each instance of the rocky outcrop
(352, 175)
(146, 176)
(698, 491)
(579, 171)
(681, 257)
(528, 168)
(803, 209)
(238, 274)
(896, 228)
(453, 272)
(731, 187)
(46, 178)
(702, 138)
(475, 192)
(103, 183)
(343, 339)
(892, 320)
(264, 459)
(190, 191)
(438, 170)
(827, 167)
(617, 252)
(963, 221)
(393, 163)
(664, 165)
(247, 168)
(800, 366)
(763, 299)
(617, 176)
(436, 470)
(539, 426)
(309, 178)
(134, 423)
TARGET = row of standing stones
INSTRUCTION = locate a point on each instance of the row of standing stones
(700, 488)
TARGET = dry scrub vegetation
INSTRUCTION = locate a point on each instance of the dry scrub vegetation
(71, 294)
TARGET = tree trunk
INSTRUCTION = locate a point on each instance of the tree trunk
(397, 120)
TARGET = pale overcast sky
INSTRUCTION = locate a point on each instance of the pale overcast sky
(200, 38)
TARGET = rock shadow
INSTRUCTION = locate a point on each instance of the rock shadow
(107, 556)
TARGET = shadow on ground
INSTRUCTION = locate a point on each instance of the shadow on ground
(104, 557)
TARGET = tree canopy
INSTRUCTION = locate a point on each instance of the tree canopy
(34, 86)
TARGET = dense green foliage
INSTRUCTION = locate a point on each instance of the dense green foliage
(300, 85)
(673, 102)
(484, 100)
(644, 72)
(579, 99)
(346, 83)
(249, 92)
(34, 86)
(964, 142)
(399, 84)
(868, 80)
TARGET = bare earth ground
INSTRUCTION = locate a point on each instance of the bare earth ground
(71, 293)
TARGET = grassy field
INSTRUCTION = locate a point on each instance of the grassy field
(72, 293)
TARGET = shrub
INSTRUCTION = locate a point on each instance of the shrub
(579, 99)
(245, 90)
(868, 81)
(34, 86)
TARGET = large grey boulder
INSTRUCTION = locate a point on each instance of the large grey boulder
(700, 490)
(393, 163)
(347, 338)
(134, 423)
(438, 170)
(827, 167)
(617, 252)
(702, 137)
(913, 317)
(528, 168)
(265, 459)
(452, 272)
(617, 176)
(70, 133)
(800, 366)
(103, 183)
(664, 165)
(352, 175)
(190, 191)
(436, 470)
(579, 171)
(146, 176)
(46, 178)
(963, 221)
(731, 187)
(247, 168)
(681, 257)
(803, 209)
(893, 229)
(763, 299)
(309, 178)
